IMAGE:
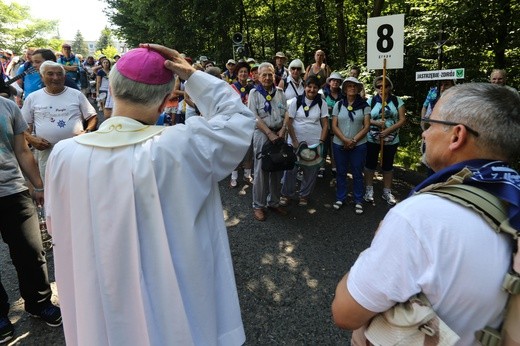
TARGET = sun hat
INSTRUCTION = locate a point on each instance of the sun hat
(380, 78)
(351, 80)
(411, 323)
(296, 63)
(280, 55)
(335, 75)
(308, 155)
(144, 66)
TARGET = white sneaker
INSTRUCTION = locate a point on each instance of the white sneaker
(389, 198)
(337, 205)
(358, 208)
(233, 183)
(369, 196)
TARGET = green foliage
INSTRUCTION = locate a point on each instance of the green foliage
(79, 46)
(109, 52)
(476, 35)
(105, 39)
(18, 30)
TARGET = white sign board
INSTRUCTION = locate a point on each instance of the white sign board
(455, 73)
(385, 40)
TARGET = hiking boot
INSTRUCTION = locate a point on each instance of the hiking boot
(369, 196)
(50, 313)
(389, 198)
(6, 330)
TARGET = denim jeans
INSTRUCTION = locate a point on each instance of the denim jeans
(354, 158)
(21, 232)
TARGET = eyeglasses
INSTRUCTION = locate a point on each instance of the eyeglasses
(427, 125)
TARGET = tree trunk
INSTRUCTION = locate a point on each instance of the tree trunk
(321, 16)
(502, 36)
(378, 7)
(342, 34)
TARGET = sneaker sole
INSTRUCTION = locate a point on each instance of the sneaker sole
(56, 324)
(6, 338)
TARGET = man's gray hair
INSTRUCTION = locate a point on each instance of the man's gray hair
(48, 64)
(491, 110)
(266, 64)
(135, 92)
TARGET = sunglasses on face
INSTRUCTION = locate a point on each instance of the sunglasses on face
(380, 86)
(427, 124)
(296, 68)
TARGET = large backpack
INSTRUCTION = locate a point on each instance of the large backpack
(494, 212)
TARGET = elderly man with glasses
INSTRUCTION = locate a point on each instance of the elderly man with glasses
(431, 244)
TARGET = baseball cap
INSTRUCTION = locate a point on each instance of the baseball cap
(144, 66)
(231, 61)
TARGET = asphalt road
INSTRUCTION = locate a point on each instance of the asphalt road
(286, 268)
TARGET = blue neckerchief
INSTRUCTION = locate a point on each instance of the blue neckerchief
(495, 177)
(307, 108)
(268, 97)
(328, 93)
(379, 99)
(239, 87)
(359, 103)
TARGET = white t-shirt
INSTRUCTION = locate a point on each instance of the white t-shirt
(57, 117)
(430, 244)
(308, 129)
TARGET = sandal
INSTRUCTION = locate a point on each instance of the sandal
(358, 208)
(337, 205)
(302, 202)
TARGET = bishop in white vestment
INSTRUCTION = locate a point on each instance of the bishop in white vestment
(141, 249)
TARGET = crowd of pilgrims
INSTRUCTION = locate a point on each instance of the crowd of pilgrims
(312, 108)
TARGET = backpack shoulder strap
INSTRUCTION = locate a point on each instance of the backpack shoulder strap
(285, 84)
(491, 208)
(395, 101)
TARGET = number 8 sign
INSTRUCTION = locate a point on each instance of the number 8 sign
(385, 40)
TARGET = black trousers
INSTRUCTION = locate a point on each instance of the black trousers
(21, 232)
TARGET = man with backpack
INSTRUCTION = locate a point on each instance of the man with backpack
(436, 245)
(70, 63)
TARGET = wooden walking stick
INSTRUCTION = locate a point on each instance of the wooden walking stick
(383, 104)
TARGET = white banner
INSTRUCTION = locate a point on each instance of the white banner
(455, 73)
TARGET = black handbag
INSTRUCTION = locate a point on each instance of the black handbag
(277, 156)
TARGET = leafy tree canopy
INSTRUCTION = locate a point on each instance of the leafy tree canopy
(19, 30)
